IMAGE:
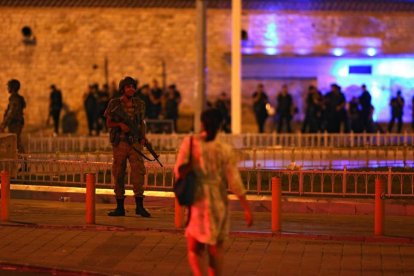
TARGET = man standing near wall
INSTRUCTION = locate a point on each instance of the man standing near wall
(13, 117)
(55, 107)
(122, 140)
(260, 100)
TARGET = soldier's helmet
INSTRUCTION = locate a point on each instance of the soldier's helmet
(13, 85)
(127, 81)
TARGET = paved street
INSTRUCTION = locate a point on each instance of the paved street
(50, 237)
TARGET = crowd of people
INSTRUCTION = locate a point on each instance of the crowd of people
(329, 112)
(160, 104)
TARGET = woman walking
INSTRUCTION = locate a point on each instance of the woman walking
(216, 171)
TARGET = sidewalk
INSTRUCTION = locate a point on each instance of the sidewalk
(52, 237)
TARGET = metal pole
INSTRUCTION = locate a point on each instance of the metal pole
(90, 198)
(106, 71)
(200, 97)
(379, 208)
(276, 204)
(5, 195)
(236, 67)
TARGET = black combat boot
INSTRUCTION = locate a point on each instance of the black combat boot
(140, 210)
(119, 211)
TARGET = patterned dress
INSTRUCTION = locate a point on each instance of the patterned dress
(216, 170)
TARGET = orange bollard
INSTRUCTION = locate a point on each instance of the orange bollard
(90, 198)
(178, 215)
(379, 208)
(276, 204)
(5, 195)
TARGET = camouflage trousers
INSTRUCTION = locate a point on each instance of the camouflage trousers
(121, 153)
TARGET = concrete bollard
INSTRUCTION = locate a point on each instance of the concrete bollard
(90, 198)
(5, 195)
(178, 214)
(276, 204)
(379, 208)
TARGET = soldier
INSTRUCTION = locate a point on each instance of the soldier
(121, 139)
(13, 117)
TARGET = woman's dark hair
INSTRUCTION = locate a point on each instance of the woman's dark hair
(211, 119)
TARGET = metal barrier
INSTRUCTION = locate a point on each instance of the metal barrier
(258, 181)
(278, 158)
(46, 144)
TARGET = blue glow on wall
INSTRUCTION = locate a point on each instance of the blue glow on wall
(271, 38)
(388, 75)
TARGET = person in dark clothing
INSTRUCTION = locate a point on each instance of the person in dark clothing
(223, 105)
(365, 102)
(155, 101)
(143, 94)
(91, 108)
(55, 107)
(284, 109)
(397, 107)
(313, 114)
(13, 116)
(355, 116)
(172, 101)
(102, 102)
(335, 112)
(260, 100)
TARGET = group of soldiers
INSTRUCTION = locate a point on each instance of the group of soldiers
(329, 112)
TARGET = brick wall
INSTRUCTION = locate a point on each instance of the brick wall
(135, 41)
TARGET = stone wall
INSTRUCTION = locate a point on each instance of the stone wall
(70, 41)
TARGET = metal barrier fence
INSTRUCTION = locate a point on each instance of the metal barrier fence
(278, 158)
(36, 144)
(257, 181)
(326, 158)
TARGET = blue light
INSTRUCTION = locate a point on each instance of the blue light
(338, 52)
(270, 51)
(270, 36)
(371, 52)
(303, 51)
(247, 51)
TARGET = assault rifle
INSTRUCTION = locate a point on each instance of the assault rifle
(135, 135)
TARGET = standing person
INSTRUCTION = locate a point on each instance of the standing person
(365, 102)
(335, 112)
(284, 109)
(355, 117)
(172, 101)
(90, 103)
(102, 103)
(13, 117)
(216, 170)
(55, 107)
(121, 140)
(313, 114)
(223, 105)
(155, 105)
(397, 107)
(260, 100)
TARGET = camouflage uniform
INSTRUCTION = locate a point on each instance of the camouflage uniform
(13, 118)
(122, 148)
